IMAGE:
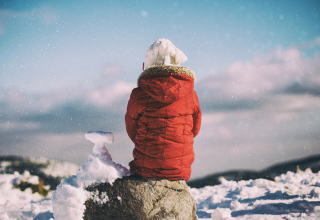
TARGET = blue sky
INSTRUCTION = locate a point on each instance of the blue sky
(69, 66)
(52, 38)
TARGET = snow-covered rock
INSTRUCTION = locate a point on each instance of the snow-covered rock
(69, 198)
(135, 197)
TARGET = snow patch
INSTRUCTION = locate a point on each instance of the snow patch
(17, 204)
(221, 214)
(291, 196)
(69, 198)
(55, 168)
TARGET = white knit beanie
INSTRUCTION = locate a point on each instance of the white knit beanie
(163, 52)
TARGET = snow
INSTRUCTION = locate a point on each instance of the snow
(21, 205)
(163, 52)
(56, 168)
(99, 198)
(48, 166)
(69, 198)
(291, 196)
(219, 213)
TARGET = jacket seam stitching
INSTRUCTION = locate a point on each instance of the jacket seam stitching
(184, 127)
(165, 135)
(194, 112)
(194, 106)
(137, 100)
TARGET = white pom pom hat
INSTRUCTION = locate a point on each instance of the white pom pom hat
(163, 52)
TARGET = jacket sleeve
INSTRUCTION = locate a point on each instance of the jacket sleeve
(196, 116)
(132, 116)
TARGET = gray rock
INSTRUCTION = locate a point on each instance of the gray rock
(136, 197)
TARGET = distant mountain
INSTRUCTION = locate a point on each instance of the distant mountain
(312, 162)
(50, 171)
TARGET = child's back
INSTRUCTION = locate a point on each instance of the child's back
(163, 116)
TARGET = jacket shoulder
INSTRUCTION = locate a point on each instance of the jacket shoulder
(195, 101)
(194, 94)
(136, 90)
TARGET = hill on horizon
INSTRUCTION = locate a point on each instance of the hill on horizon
(312, 162)
(52, 171)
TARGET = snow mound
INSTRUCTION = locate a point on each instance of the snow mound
(163, 52)
(69, 198)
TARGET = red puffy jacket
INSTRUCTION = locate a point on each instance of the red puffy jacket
(163, 116)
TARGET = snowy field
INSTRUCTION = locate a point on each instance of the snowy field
(290, 196)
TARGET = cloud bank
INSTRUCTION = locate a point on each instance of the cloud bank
(255, 113)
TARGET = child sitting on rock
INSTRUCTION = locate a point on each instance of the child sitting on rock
(163, 115)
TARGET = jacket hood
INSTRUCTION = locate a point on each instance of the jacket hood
(167, 84)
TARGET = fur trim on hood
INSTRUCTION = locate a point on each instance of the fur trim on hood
(168, 69)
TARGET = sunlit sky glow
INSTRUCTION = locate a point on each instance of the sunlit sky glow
(68, 67)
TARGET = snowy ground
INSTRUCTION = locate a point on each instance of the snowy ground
(291, 196)
(15, 204)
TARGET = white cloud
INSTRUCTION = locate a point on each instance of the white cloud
(265, 73)
(264, 123)
(111, 71)
(104, 96)
(46, 14)
(109, 94)
(17, 125)
(314, 43)
(285, 128)
(260, 121)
